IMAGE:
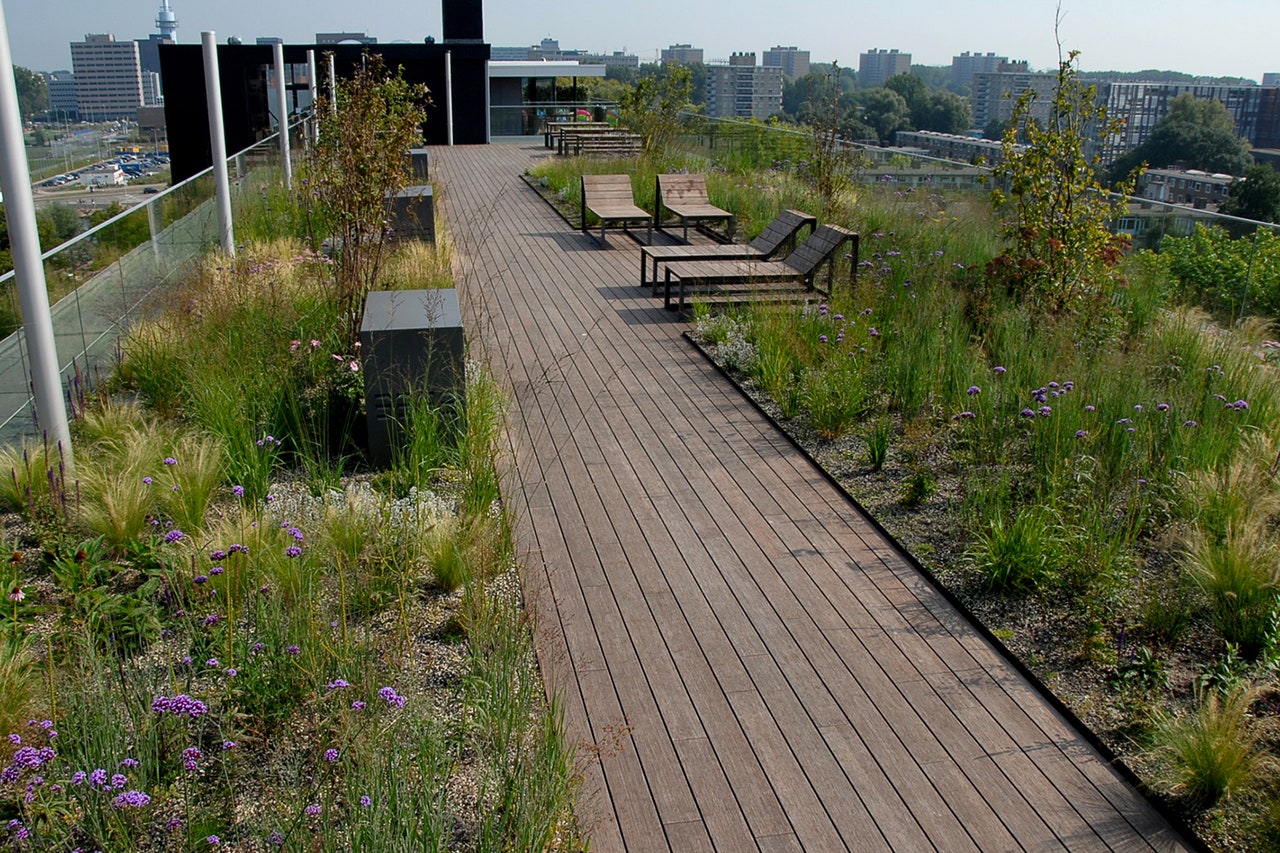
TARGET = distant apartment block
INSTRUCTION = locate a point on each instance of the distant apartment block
(617, 59)
(793, 61)
(108, 77)
(877, 66)
(1271, 79)
(949, 146)
(62, 93)
(344, 38)
(964, 66)
(1255, 109)
(743, 89)
(1172, 186)
(682, 53)
(995, 93)
(549, 50)
(270, 40)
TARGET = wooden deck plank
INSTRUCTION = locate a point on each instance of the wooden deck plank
(794, 683)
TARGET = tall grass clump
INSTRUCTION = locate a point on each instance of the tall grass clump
(1239, 576)
(1214, 751)
(1019, 555)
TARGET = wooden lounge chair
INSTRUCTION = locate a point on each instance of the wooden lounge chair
(779, 234)
(686, 197)
(750, 280)
(610, 198)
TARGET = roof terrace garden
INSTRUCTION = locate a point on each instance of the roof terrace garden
(225, 630)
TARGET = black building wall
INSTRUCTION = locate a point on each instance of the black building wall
(244, 69)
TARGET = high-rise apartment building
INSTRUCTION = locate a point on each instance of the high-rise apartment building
(683, 53)
(793, 61)
(108, 77)
(995, 93)
(743, 89)
(967, 64)
(876, 66)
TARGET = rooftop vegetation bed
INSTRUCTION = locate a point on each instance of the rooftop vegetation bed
(1080, 442)
(220, 630)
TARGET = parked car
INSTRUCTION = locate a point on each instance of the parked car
(150, 190)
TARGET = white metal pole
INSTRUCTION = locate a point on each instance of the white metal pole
(24, 244)
(448, 93)
(282, 111)
(333, 85)
(218, 141)
(314, 91)
(488, 109)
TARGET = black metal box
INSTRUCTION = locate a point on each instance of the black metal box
(410, 341)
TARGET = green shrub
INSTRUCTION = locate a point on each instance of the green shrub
(878, 443)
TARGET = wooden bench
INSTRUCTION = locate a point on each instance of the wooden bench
(686, 197)
(778, 235)
(610, 198)
(553, 129)
(599, 140)
(751, 280)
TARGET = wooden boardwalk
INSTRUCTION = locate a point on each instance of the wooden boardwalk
(759, 668)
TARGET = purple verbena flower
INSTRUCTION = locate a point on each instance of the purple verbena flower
(331, 755)
(973, 390)
(131, 800)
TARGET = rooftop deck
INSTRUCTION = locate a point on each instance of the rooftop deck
(759, 667)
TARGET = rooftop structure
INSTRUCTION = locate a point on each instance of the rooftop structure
(167, 22)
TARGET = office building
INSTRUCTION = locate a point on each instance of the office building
(793, 61)
(1271, 79)
(683, 53)
(108, 77)
(743, 89)
(62, 94)
(877, 66)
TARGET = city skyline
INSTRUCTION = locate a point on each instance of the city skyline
(1142, 34)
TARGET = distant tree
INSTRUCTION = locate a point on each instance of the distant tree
(1208, 113)
(934, 76)
(622, 74)
(1059, 248)
(912, 89)
(885, 112)
(1197, 134)
(995, 129)
(33, 92)
(652, 108)
(944, 112)
(1188, 145)
(1256, 195)
(698, 73)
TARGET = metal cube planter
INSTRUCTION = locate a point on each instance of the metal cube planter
(411, 341)
(412, 214)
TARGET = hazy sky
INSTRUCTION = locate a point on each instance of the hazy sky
(1222, 37)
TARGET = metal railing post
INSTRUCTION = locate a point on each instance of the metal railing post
(24, 244)
(282, 113)
(314, 91)
(218, 141)
(448, 93)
